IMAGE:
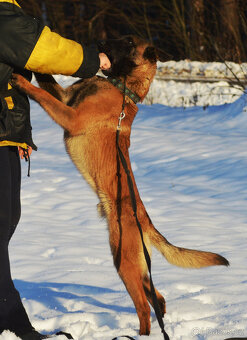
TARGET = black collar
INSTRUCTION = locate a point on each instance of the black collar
(119, 85)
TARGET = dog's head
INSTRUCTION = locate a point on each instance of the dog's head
(126, 54)
(121, 55)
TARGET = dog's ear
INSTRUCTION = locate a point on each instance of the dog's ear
(162, 55)
(153, 54)
(150, 54)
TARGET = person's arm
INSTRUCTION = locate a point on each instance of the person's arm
(26, 43)
(54, 54)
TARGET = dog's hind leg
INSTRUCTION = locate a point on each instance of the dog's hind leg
(133, 283)
(128, 257)
(160, 298)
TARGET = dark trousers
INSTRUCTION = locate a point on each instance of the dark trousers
(12, 313)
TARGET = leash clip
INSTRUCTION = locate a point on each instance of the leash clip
(121, 117)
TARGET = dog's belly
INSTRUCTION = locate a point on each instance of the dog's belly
(95, 157)
(76, 147)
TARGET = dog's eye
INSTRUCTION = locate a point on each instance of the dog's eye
(130, 41)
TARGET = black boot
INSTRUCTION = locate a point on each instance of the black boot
(13, 316)
(34, 335)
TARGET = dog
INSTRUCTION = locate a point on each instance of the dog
(89, 111)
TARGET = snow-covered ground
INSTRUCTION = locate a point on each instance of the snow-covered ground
(190, 166)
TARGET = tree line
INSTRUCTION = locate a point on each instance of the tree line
(203, 30)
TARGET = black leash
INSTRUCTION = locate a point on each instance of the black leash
(124, 336)
(68, 335)
(134, 207)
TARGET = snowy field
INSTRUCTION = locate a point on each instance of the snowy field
(191, 169)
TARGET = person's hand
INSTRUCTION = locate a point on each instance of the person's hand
(21, 151)
(105, 63)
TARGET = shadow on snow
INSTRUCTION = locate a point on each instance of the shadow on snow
(49, 293)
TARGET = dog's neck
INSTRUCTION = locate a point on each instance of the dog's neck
(135, 91)
(122, 87)
(140, 88)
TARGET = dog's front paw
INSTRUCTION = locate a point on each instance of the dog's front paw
(18, 81)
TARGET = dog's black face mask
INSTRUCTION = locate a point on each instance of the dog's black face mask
(120, 53)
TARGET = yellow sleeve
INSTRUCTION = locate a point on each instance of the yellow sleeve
(54, 54)
(11, 2)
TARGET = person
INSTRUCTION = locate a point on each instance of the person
(26, 45)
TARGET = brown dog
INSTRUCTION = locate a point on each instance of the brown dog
(88, 111)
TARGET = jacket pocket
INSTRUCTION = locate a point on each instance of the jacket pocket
(18, 119)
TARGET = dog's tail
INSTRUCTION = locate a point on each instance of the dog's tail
(182, 257)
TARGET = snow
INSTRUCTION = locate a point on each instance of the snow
(179, 94)
(176, 93)
(187, 67)
(190, 166)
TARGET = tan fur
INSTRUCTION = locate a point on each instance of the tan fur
(90, 138)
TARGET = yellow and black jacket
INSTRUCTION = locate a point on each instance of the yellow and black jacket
(28, 45)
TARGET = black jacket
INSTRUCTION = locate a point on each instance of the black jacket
(28, 45)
